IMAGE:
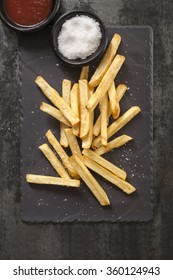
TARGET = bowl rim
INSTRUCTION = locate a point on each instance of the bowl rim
(29, 28)
(90, 59)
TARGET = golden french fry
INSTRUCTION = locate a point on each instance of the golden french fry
(87, 140)
(106, 61)
(123, 185)
(114, 102)
(90, 181)
(84, 113)
(49, 180)
(104, 119)
(66, 88)
(63, 138)
(61, 153)
(123, 120)
(84, 73)
(54, 112)
(73, 143)
(97, 125)
(116, 143)
(57, 100)
(118, 124)
(105, 163)
(121, 89)
(74, 100)
(56, 164)
(106, 81)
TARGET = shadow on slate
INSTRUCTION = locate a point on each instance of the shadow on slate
(59, 204)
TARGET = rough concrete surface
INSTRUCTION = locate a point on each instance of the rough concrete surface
(149, 240)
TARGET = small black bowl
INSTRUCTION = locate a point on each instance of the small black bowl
(30, 28)
(93, 57)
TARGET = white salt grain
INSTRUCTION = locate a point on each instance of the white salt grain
(79, 37)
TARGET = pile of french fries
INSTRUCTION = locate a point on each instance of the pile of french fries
(75, 111)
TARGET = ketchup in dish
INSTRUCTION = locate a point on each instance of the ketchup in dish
(28, 12)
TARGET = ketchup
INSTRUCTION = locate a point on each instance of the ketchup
(28, 12)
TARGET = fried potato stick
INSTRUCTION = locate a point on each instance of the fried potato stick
(49, 180)
(114, 102)
(61, 153)
(106, 61)
(105, 163)
(118, 124)
(106, 81)
(66, 88)
(90, 181)
(121, 90)
(104, 119)
(73, 143)
(116, 143)
(56, 164)
(57, 100)
(121, 184)
(74, 100)
(84, 113)
(54, 112)
(84, 73)
(87, 140)
(97, 125)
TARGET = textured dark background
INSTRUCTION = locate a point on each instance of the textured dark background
(151, 240)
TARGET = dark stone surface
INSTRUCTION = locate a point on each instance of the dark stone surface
(152, 240)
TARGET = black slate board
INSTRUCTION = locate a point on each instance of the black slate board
(58, 204)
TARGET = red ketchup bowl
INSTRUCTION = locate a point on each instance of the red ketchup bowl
(28, 15)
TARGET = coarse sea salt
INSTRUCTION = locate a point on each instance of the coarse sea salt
(79, 37)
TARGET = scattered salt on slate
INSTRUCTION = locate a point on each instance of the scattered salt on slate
(79, 37)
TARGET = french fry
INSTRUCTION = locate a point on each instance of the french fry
(106, 61)
(63, 139)
(106, 81)
(49, 180)
(121, 184)
(84, 113)
(84, 73)
(105, 163)
(116, 143)
(118, 124)
(66, 88)
(74, 100)
(114, 102)
(104, 119)
(87, 140)
(73, 143)
(97, 125)
(121, 89)
(55, 113)
(90, 181)
(56, 164)
(57, 100)
(61, 153)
